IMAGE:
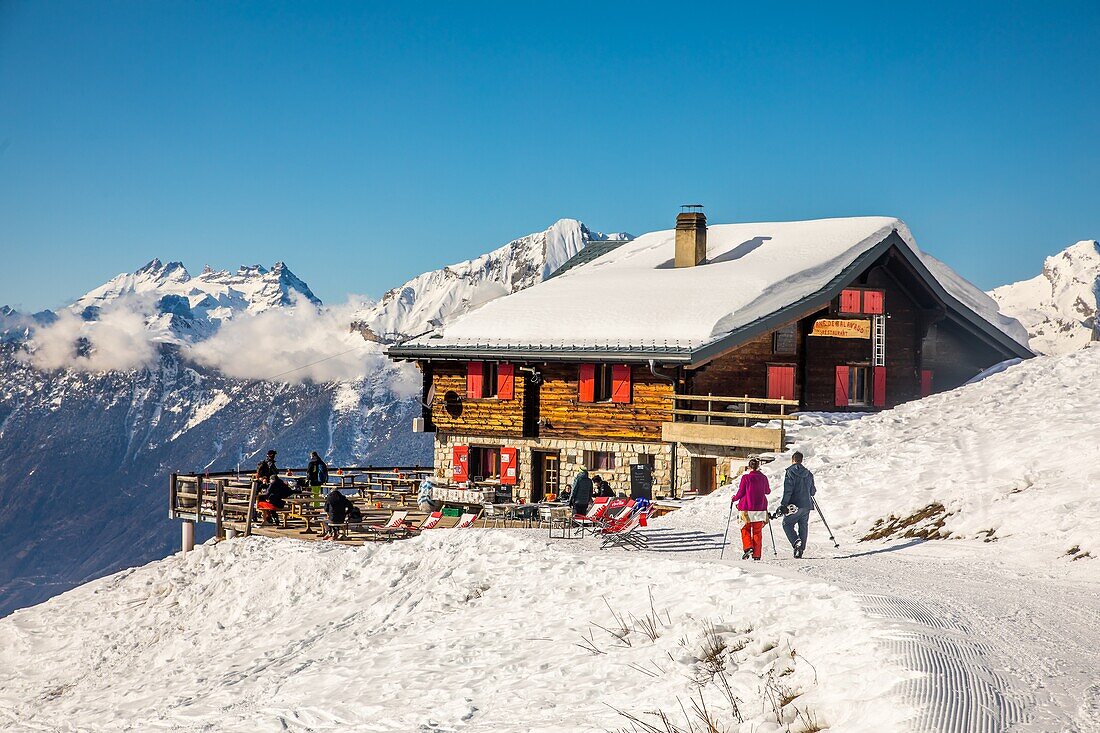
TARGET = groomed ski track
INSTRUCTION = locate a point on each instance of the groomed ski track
(996, 645)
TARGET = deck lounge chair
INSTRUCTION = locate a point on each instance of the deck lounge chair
(430, 522)
(595, 513)
(627, 535)
(466, 521)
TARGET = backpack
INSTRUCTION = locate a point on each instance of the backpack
(354, 515)
(322, 473)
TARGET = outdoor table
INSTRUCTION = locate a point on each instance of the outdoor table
(305, 508)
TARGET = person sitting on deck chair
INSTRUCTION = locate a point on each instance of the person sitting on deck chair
(752, 505)
(317, 473)
(601, 487)
(580, 495)
(798, 492)
(274, 498)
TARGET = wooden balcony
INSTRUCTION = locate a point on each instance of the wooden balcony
(728, 421)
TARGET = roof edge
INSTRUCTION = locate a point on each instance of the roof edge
(715, 348)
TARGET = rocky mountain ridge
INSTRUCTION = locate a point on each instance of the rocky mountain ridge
(1058, 306)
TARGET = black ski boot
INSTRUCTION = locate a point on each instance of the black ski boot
(746, 554)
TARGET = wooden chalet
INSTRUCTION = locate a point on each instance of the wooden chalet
(682, 350)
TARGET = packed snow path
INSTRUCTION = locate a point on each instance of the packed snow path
(1000, 645)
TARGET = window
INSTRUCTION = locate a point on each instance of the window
(482, 380)
(854, 301)
(784, 340)
(780, 381)
(859, 391)
(604, 383)
(489, 379)
(647, 459)
(599, 460)
(484, 462)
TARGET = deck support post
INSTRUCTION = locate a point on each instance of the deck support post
(188, 535)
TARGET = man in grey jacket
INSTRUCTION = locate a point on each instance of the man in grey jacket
(798, 490)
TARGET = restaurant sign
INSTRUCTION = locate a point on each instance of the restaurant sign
(842, 329)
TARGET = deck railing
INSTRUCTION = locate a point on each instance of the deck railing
(718, 409)
(723, 420)
(210, 497)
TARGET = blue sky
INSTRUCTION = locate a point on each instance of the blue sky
(364, 144)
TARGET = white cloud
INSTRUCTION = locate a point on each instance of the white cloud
(294, 344)
(117, 340)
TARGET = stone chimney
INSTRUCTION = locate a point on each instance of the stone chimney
(691, 236)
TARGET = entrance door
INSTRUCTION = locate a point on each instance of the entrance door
(545, 476)
(704, 475)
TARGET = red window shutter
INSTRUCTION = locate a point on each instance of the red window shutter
(620, 383)
(586, 387)
(849, 301)
(475, 384)
(509, 467)
(873, 302)
(879, 396)
(460, 463)
(842, 386)
(780, 382)
(506, 381)
(925, 382)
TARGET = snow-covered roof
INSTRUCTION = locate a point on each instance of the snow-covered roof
(631, 302)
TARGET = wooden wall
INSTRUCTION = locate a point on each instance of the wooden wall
(955, 356)
(563, 414)
(489, 416)
(640, 419)
(744, 371)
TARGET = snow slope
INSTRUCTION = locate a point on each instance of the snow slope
(752, 270)
(1013, 459)
(439, 295)
(478, 630)
(1058, 306)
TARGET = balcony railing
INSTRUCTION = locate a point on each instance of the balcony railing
(727, 421)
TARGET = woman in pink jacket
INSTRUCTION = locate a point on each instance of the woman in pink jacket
(752, 504)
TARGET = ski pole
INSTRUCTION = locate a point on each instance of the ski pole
(771, 531)
(818, 508)
(726, 533)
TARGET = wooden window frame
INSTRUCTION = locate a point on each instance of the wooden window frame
(490, 380)
(792, 329)
(867, 383)
(476, 461)
(590, 460)
(794, 378)
(862, 310)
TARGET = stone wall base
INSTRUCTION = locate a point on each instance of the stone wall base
(571, 453)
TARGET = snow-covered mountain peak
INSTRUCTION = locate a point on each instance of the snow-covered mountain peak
(180, 307)
(434, 297)
(1058, 307)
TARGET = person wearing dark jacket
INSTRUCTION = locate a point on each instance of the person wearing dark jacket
(798, 491)
(601, 487)
(339, 509)
(316, 472)
(274, 498)
(267, 468)
(580, 496)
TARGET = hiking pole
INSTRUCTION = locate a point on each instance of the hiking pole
(726, 533)
(771, 531)
(818, 508)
